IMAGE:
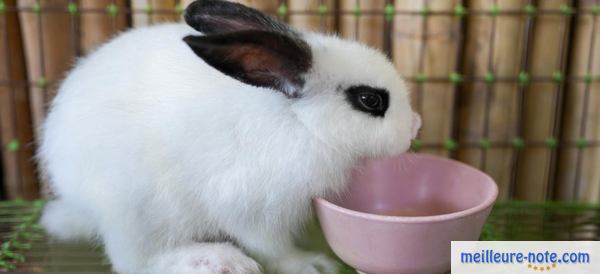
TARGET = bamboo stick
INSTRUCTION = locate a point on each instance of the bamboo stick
(49, 51)
(494, 44)
(358, 23)
(579, 176)
(427, 46)
(96, 28)
(314, 15)
(49, 46)
(16, 133)
(406, 48)
(540, 107)
(145, 11)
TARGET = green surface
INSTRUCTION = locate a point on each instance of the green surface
(26, 249)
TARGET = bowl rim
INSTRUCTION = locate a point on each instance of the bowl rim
(488, 202)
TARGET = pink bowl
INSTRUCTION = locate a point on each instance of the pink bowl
(438, 201)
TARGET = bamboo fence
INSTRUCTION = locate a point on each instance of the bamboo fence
(426, 47)
(508, 86)
(148, 12)
(541, 102)
(360, 20)
(578, 169)
(97, 27)
(314, 15)
(15, 118)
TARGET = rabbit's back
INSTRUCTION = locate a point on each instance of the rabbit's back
(143, 122)
(122, 109)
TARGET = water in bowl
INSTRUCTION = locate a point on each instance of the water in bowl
(429, 208)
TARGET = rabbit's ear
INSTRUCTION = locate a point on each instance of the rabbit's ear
(216, 16)
(259, 58)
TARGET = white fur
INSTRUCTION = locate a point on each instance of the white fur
(157, 151)
(202, 258)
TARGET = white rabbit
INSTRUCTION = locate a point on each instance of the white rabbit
(198, 149)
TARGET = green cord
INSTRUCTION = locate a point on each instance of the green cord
(179, 9)
(552, 142)
(425, 11)
(112, 9)
(42, 82)
(455, 78)
(530, 9)
(2, 7)
(523, 78)
(581, 142)
(72, 8)
(460, 10)
(149, 9)
(596, 10)
(518, 143)
(451, 145)
(282, 10)
(421, 77)
(489, 77)
(13, 145)
(416, 145)
(557, 76)
(389, 11)
(485, 143)
(356, 11)
(494, 10)
(322, 9)
(588, 78)
(36, 7)
(567, 10)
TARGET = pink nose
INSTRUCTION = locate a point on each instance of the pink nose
(416, 124)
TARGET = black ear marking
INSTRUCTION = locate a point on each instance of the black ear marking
(259, 58)
(217, 16)
(248, 45)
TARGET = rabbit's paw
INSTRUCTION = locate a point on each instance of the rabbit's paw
(307, 263)
(204, 258)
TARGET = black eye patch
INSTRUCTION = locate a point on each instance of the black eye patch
(374, 101)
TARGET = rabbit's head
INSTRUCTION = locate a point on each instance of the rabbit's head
(347, 94)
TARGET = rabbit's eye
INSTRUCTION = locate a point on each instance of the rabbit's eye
(368, 99)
